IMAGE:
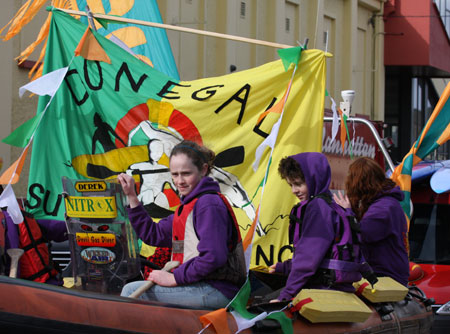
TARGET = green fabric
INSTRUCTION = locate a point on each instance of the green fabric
(70, 116)
(348, 137)
(441, 122)
(21, 136)
(290, 56)
(407, 165)
(284, 321)
(425, 144)
(239, 303)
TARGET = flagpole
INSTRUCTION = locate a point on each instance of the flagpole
(182, 29)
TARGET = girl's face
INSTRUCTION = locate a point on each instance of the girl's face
(299, 189)
(185, 174)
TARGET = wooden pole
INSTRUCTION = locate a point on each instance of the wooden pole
(182, 29)
(148, 284)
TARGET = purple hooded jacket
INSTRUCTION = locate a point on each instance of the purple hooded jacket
(318, 229)
(384, 236)
(213, 225)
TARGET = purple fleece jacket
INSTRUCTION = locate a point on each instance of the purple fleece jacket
(384, 236)
(318, 229)
(213, 225)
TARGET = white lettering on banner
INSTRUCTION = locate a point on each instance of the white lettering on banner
(359, 146)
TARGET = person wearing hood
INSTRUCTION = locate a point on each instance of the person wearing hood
(375, 200)
(309, 175)
(203, 234)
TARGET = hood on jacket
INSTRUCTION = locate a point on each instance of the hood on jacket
(317, 171)
(395, 192)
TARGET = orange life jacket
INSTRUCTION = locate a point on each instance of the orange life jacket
(185, 241)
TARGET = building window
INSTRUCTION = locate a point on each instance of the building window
(443, 7)
(242, 10)
(288, 24)
(424, 99)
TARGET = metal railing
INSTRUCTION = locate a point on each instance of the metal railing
(377, 137)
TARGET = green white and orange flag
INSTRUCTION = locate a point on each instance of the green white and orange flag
(435, 133)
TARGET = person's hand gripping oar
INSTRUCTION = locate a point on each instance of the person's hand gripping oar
(148, 284)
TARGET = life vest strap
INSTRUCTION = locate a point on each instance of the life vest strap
(341, 265)
(46, 270)
(34, 243)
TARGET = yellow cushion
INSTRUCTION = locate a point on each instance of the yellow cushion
(385, 290)
(331, 306)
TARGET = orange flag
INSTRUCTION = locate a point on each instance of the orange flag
(277, 108)
(89, 48)
(343, 130)
(218, 319)
(13, 172)
(249, 236)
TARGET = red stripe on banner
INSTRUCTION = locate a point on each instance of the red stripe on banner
(128, 122)
(185, 127)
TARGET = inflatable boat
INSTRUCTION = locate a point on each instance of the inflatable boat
(30, 307)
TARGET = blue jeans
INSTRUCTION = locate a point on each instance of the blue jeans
(198, 295)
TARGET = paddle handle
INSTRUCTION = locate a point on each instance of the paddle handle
(148, 284)
(14, 254)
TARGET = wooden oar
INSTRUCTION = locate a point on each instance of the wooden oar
(148, 284)
(14, 254)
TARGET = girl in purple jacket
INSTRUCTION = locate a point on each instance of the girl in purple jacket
(375, 199)
(202, 233)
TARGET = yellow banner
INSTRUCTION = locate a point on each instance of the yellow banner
(222, 113)
(125, 117)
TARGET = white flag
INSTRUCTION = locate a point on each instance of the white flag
(8, 199)
(47, 84)
(243, 323)
(269, 141)
(335, 124)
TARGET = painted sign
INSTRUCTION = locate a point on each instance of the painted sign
(363, 144)
(90, 186)
(96, 239)
(97, 255)
(91, 207)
